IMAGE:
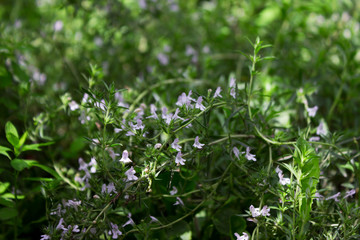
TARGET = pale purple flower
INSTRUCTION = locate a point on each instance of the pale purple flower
(197, 144)
(248, 155)
(130, 221)
(125, 157)
(349, 193)
(236, 152)
(85, 98)
(175, 145)
(121, 101)
(318, 196)
(232, 82)
(206, 49)
(112, 154)
(265, 211)
(179, 159)
(58, 25)
(179, 201)
(114, 232)
(130, 174)
(73, 105)
(252, 220)
(199, 105)
(110, 188)
(335, 197)
(153, 219)
(73, 203)
(101, 105)
(233, 93)
(320, 130)
(189, 51)
(217, 92)
(45, 237)
(157, 146)
(61, 224)
(312, 111)
(142, 4)
(184, 99)
(174, 191)
(245, 236)
(255, 212)
(76, 229)
(163, 59)
(129, 133)
(153, 112)
(93, 165)
(314, 139)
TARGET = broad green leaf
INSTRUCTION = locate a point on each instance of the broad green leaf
(23, 139)
(35, 147)
(4, 186)
(11, 134)
(4, 150)
(7, 213)
(6, 202)
(20, 164)
(45, 168)
(12, 196)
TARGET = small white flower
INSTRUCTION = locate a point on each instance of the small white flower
(179, 202)
(175, 145)
(76, 229)
(157, 146)
(125, 157)
(232, 82)
(314, 139)
(130, 174)
(197, 144)
(236, 152)
(153, 219)
(198, 104)
(265, 211)
(130, 221)
(73, 106)
(248, 155)
(282, 180)
(58, 25)
(312, 111)
(163, 59)
(255, 212)
(179, 159)
(320, 130)
(45, 237)
(335, 197)
(245, 236)
(233, 93)
(217, 93)
(174, 191)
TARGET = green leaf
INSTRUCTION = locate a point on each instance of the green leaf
(23, 139)
(7, 213)
(45, 168)
(6, 202)
(20, 164)
(4, 150)
(4, 186)
(35, 147)
(11, 134)
(222, 221)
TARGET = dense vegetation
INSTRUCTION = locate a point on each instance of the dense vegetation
(169, 119)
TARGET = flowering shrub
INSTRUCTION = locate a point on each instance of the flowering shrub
(168, 135)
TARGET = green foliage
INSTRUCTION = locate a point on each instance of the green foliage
(86, 83)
